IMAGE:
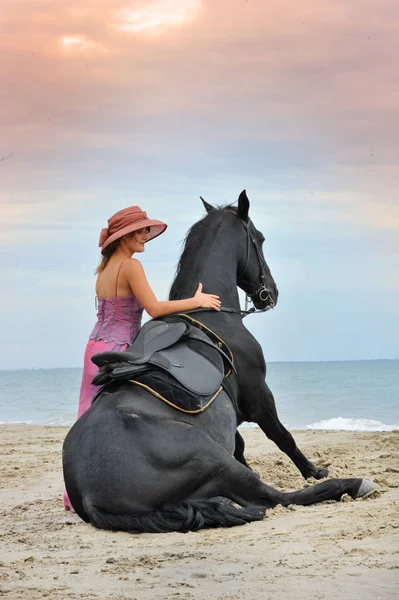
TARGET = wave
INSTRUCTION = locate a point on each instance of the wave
(27, 422)
(54, 423)
(345, 424)
(334, 424)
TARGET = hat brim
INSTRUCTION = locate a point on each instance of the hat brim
(156, 228)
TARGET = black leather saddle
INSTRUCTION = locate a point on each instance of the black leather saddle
(174, 346)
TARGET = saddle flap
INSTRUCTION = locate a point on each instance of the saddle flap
(193, 370)
(197, 334)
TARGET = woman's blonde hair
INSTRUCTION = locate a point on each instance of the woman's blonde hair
(106, 255)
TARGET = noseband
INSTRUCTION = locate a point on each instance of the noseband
(262, 292)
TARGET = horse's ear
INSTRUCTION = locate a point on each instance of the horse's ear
(243, 206)
(208, 207)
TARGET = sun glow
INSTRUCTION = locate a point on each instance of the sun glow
(73, 43)
(157, 15)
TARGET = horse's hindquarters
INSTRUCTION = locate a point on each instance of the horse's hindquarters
(131, 453)
(128, 471)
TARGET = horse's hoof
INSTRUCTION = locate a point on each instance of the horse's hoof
(321, 474)
(367, 488)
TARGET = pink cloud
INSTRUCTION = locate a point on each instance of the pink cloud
(318, 72)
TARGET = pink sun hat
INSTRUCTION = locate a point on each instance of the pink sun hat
(126, 221)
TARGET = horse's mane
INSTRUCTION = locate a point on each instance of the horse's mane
(195, 236)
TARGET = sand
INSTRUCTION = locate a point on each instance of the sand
(347, 549)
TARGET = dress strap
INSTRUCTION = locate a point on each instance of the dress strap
(117, 276)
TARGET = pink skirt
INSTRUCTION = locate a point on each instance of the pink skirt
(87, 389)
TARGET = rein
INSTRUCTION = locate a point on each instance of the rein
(226, 309)
(245, 312)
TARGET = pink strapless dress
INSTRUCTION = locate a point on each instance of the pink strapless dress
(118, 322)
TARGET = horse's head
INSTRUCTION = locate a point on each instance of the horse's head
(253, 274)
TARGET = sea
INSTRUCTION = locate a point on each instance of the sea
(337, 395)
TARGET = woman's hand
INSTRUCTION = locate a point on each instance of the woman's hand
(207, 300)
(133, 271)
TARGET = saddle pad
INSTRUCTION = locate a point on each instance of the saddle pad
(166, 388)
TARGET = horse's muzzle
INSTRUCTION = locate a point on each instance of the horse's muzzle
(264, 298)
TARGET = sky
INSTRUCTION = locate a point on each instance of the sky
(106, 104)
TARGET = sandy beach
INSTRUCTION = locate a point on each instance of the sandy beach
(347, 549)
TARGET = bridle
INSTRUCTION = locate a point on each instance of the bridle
(262, 292)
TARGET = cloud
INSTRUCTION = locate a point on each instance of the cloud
(298, 64)
(72, 44)
(156, 16)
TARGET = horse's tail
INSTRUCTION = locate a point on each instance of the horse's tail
(189, 515)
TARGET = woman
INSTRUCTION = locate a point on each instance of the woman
(123, 292)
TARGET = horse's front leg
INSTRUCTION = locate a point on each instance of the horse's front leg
(239, 453)
(239, 450)
(260, 408)
(219, 474)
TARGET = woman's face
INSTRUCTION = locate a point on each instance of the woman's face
(137, 239)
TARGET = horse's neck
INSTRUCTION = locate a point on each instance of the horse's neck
(215, 267)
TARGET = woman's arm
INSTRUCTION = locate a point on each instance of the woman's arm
(135, 276)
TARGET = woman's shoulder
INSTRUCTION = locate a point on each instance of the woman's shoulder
(133, 270)
(132, 263)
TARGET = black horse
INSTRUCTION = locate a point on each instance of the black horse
(134, 463)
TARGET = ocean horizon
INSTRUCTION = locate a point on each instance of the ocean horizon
(357, 395)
